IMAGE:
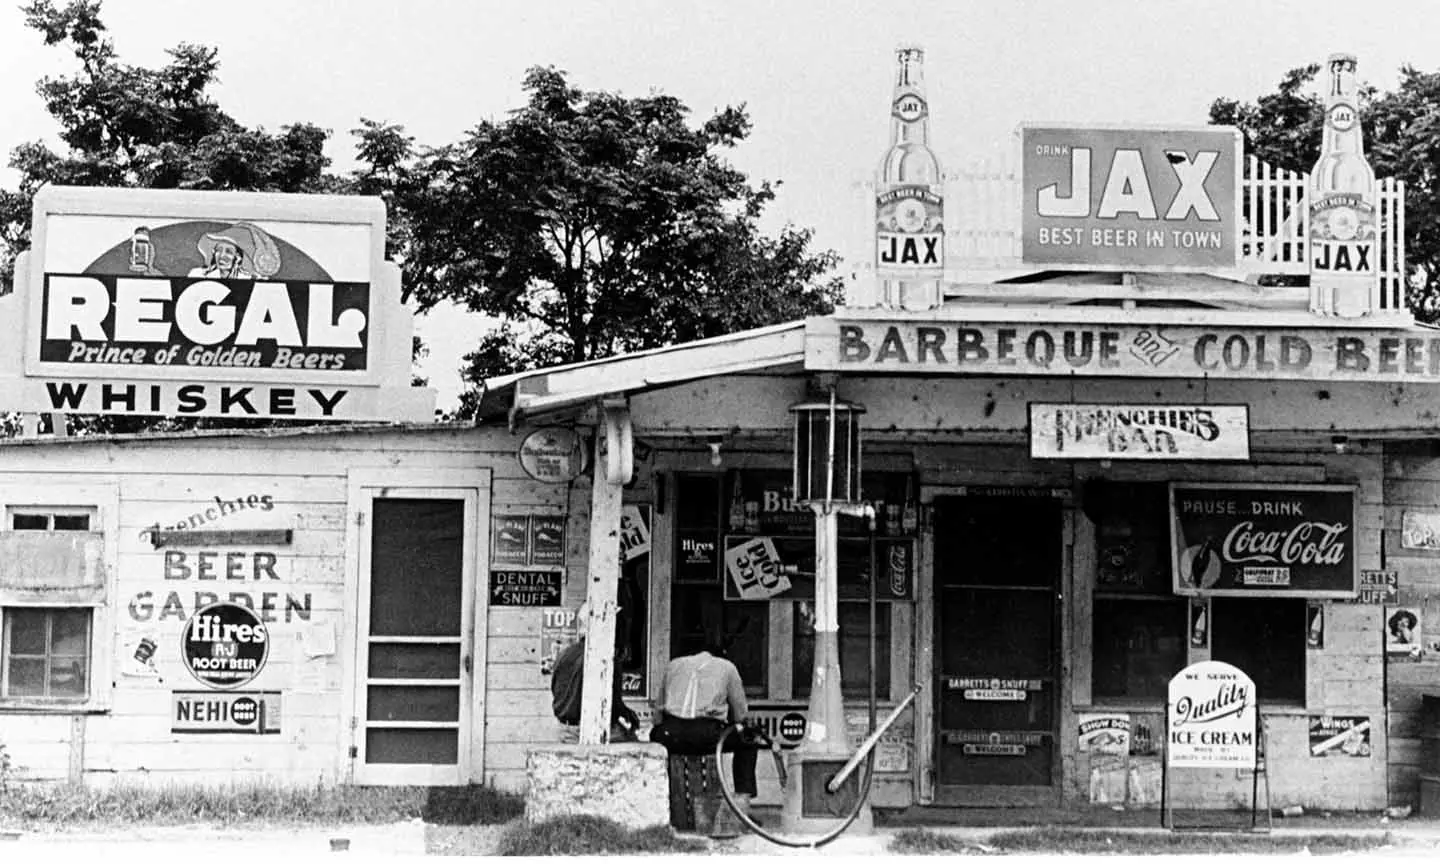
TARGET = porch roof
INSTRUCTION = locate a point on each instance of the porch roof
(777, 348)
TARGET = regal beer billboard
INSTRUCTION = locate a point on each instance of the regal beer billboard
(1130, 199)
(209, 304)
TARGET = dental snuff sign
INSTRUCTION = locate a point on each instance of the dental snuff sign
(1237, 540)
(217, 304)
(1130, 199)
(1210, 719)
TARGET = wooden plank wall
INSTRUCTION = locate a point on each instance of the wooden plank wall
(290, 482)
(1412, 482)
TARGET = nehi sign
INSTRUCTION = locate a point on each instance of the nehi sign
(1245, 541)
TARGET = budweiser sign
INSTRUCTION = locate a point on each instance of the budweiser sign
(1241, 540)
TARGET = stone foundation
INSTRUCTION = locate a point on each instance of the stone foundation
(624, 782)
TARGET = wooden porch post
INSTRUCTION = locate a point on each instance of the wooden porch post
(602, 588)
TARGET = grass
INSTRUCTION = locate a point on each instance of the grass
(919, 841)
(26, 805)
(591, 835)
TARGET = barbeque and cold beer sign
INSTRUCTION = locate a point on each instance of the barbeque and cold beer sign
(210, 304)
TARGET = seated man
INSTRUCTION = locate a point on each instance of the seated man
(567, 692)
(700, 695)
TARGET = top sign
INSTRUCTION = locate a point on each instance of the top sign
(209, 303)
(1130, 199)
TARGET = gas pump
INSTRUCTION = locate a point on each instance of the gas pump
(827, 477)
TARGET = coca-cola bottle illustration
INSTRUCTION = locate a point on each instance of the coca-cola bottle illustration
(737, 506)
(1204, 565)
(910, 516)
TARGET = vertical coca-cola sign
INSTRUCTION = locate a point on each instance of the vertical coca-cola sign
(1263, 540)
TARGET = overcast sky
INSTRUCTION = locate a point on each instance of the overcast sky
(815, 74)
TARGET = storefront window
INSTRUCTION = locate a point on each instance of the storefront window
(1139, 634)
(742, 545)
(701, 613)
(699, 609)
(1264, 637)
(854, 649)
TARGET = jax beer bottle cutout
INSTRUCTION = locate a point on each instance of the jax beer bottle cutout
(909, 229)
(1344, 265)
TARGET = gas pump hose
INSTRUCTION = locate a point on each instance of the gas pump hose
(809, 843)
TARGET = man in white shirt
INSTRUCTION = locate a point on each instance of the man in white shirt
(700, 695)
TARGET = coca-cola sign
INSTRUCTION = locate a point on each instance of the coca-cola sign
(1251, 540)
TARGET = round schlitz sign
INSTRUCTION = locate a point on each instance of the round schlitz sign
(225, 645)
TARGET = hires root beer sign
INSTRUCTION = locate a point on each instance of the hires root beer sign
(1259, 540)
(209, 303)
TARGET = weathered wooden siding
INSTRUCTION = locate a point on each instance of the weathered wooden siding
(1412, 482)
(298, 482)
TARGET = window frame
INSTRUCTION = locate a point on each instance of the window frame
(58, 495)
(1151, 589)
(1222, 608)
(48, 657)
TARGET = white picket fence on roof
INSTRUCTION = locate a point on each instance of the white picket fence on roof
(983, 210)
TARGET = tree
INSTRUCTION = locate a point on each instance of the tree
(127, 125)
(1402, 140)
(592, 224)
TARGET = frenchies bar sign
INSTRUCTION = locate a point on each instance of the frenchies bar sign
(1130, 199)
(1263, 540)
(1092, 431)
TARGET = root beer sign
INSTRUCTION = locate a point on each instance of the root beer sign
(209, 304)
(1263, 540)
(225, 645)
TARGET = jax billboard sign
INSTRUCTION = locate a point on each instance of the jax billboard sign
(209, 304)
(1130, 199)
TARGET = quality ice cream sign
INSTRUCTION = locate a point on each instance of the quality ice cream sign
(1210, 717)
(210, 304)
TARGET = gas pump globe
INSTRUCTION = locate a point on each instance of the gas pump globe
(827, 452)
(827, 477)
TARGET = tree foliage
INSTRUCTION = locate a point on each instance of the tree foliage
(594, 223)
(587, 223)
(1402, 140)
(132, 126)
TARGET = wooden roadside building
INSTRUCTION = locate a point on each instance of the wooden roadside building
(1092, 463)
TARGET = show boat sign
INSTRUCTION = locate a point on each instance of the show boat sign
(1130, 199)
(209, 304)
(1210, 717)
(1087, 431)
(931, 347)
(1263, 540)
